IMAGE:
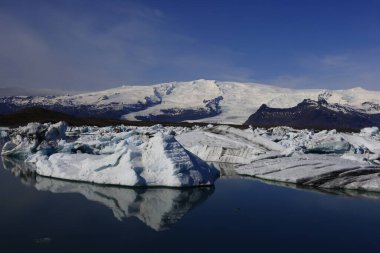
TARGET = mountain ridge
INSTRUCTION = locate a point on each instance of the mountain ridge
(313, 114)
(198, 101)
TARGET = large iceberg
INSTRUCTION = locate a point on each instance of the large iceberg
(123, 156)
(226, 144)
(324, 159)
(317, 171)
(156, 161)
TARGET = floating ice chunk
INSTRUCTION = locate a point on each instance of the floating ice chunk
(291, 151)
(369, 131)
(32, 129)
(56, 131)
(34, 137)
(102, 169)
(373, 157)
(328, 144)
(228, 145)
(316, 170)
(160, 161)
(355, 157)
(18, 147)
(3, 134)
(168, 163)
(364, 142)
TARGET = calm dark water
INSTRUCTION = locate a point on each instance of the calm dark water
(238, 215)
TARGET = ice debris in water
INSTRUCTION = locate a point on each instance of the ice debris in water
(340, 160)
(369, 131)
(3, 132)
(177, 156)
(34, 137)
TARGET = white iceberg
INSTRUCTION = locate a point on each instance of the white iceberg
(34, 137)
(365, 143)
(225, 144)
(157, 161)
(326, 144)
(369, 131)
(110, 155)
(317, 171)
(3, 133)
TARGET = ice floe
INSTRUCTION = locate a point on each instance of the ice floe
(316, 170)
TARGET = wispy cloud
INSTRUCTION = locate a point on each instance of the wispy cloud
(340, 60)
(340, 70)
(67, 50)
(99, 44)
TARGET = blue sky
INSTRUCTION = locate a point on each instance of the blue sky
(91, 45)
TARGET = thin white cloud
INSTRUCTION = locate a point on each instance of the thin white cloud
(82, 51)
(339, 60)
(135, 44)
(357, 68)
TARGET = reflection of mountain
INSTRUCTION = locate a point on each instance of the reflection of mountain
(158, 208)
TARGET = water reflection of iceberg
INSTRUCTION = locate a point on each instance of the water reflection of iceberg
(336, 192)
(158, 208)
(20, 169)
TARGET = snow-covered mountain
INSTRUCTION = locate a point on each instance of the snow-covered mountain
(199, 100)
(314, 114)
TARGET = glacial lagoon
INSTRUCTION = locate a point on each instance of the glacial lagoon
(237, 214)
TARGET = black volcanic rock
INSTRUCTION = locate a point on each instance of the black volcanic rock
(313, 114)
